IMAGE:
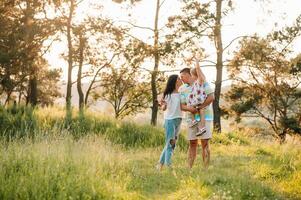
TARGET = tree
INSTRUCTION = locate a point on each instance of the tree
(219, 65)
(122, 89)
(97, 43)
(156, 66)
(11, 52)
(266, 82)
(82, 42)
(47, 85)
(67, 9)
(72, 6)
(36, 29)
(196, 24)
(25, 28)
(158, 52)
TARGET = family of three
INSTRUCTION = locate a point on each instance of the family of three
(189, 93)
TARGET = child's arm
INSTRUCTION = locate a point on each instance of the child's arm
(201, 76)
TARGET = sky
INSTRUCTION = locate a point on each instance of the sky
(247, 18)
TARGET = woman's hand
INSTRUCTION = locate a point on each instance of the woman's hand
(162, 103)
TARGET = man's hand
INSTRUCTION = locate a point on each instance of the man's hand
(208, 101)
(184, 107)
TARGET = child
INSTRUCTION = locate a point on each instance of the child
(198, 97)
(171, 105)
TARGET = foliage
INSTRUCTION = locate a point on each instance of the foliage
(21, 49)
(266, 83)
(17, 122)
(124, 91)
(189, 28)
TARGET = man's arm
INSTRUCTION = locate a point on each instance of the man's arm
(186, 108)
(208, 101)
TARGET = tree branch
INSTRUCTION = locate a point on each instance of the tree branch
(235, 40)
(161, 3)
(136, 26)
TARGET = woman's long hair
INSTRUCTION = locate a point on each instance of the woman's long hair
(170, 85)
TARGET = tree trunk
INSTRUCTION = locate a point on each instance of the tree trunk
(88, 93)
(219, 67)
(7, 98)
(94, 79)
(70, 59)
(32, 83)
(282, 137)
(19, 97)
(33, 90)
(79, 73)
(91, 85)
(156, 67)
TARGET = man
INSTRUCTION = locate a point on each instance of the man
(185, 91)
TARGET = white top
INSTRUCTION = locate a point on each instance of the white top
(173, 108)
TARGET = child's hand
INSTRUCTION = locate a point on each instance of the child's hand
(197, 56)
(188, 60)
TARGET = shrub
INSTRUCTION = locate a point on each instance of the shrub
(17, 122)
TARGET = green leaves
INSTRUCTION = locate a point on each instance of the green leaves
(25, 28)
(265, 84)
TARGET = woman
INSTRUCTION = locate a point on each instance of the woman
(171, 104)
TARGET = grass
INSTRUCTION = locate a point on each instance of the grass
(93, 168)
(116, 160)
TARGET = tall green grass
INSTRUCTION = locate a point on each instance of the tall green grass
(101, 158)
(59, 167)
(17, 122)
(27, 122)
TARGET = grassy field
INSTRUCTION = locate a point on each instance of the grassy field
(117, 161)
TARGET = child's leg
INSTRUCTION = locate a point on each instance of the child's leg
(202, 121)
(193, 117)
(201, 124)
(194, 121)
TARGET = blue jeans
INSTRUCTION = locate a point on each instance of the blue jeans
(172, 128)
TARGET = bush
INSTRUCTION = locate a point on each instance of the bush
(130, 135)
(17, 122)
(230, 138)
